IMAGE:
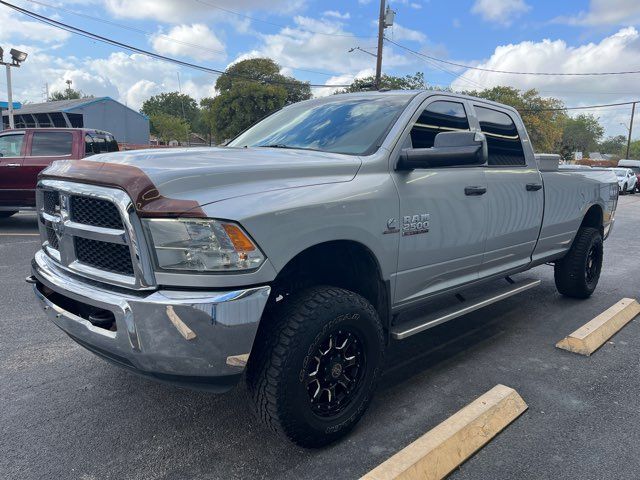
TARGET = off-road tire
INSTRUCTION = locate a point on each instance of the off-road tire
(6, 214)
(286, 342)
(574, 275)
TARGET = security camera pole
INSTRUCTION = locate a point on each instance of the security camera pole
(384, 20)
(17, 57)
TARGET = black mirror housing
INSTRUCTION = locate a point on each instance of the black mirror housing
(450, 149)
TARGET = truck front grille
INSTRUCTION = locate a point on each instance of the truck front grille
(105, 256)
(51, 202)
(94, 232)
(96, 212)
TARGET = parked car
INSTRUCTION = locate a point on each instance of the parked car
(24, 153)
(627, 180)
(634, 166)
(296, 254)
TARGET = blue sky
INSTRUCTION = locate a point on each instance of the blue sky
(311, 41)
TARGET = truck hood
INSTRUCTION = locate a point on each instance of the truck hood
(206, 175)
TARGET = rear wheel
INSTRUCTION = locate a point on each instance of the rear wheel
(8, 214)
(313, 371)
(577, 274)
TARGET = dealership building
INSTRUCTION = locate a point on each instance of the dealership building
(103, 113)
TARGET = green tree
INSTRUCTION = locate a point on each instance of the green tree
(582, 134)
(67, 94)
(389, 82)
(169, 127)
(263, 71)
(614, 145)
(175, 104)
(206, 124)
(248, 91)
(634, 150)
(544, 125)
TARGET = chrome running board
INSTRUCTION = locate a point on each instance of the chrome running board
(420, 324)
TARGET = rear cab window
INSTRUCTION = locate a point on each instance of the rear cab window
(439, 116)
(100, 143)
(51, 144)
(503, 139)
(11, 145)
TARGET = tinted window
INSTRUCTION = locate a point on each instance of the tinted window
(503, 140)
(439, 116)
(339, 124)
(112, 144)
(11, 145)
(51, 144)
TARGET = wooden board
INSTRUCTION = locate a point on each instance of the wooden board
(591, 336)
(439, 451)
(182, 327)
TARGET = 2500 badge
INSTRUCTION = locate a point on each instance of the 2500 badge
(415, 224)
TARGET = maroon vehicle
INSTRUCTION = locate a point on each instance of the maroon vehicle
(24, 153)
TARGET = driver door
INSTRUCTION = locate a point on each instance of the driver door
(12, 182)
(442, 211)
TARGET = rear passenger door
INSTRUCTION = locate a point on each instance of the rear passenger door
(515, 197)
(45, 148)
(442, 228)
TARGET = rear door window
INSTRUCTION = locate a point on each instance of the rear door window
(11, 145)
(439, 116)
(51, 144)
(503, 140)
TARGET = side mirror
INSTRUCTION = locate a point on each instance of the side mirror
(450, 149)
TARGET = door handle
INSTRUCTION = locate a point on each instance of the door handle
(12, 165)
(533, 187)
(475, 191)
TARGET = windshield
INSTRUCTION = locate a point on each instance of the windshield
(635, 170)
(620, 172)
(341, 124)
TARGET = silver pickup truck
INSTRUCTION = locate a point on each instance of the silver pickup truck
(294, 255)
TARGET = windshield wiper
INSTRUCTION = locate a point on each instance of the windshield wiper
(276, 145)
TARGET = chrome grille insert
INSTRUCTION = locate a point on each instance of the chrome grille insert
(94, 232)
(96, 212)
(105, 256)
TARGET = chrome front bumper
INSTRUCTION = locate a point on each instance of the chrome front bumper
(197, 339)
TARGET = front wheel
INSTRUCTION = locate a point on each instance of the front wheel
(577, 274)
(624, 190)
(314, 369)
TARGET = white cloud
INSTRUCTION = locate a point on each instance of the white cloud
(14, 29)
(179, 11)
(342, 80)
(614, 53)
(196, 41)
(500, 11)
(401, 33)
(297, 47)
(337, 14)
(606, 12)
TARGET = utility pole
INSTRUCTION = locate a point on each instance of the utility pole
(385, 20)
(633, 112)
(17, 57)
(380, 43)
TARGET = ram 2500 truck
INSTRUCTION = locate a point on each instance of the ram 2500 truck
(294, 255)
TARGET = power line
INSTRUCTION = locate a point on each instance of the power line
(100, 38)
(330, 34)
(586, 107)
(512, 72)
(154, 34)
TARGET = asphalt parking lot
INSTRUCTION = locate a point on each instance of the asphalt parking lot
(67, 414)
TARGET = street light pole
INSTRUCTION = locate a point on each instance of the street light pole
(633, 112)
(10, 97)
(17, 57)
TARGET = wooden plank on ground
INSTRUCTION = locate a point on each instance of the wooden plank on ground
(439, 451)
(591, 336)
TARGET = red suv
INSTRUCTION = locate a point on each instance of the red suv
(26, 152)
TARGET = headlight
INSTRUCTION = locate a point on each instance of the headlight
(202, 245)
